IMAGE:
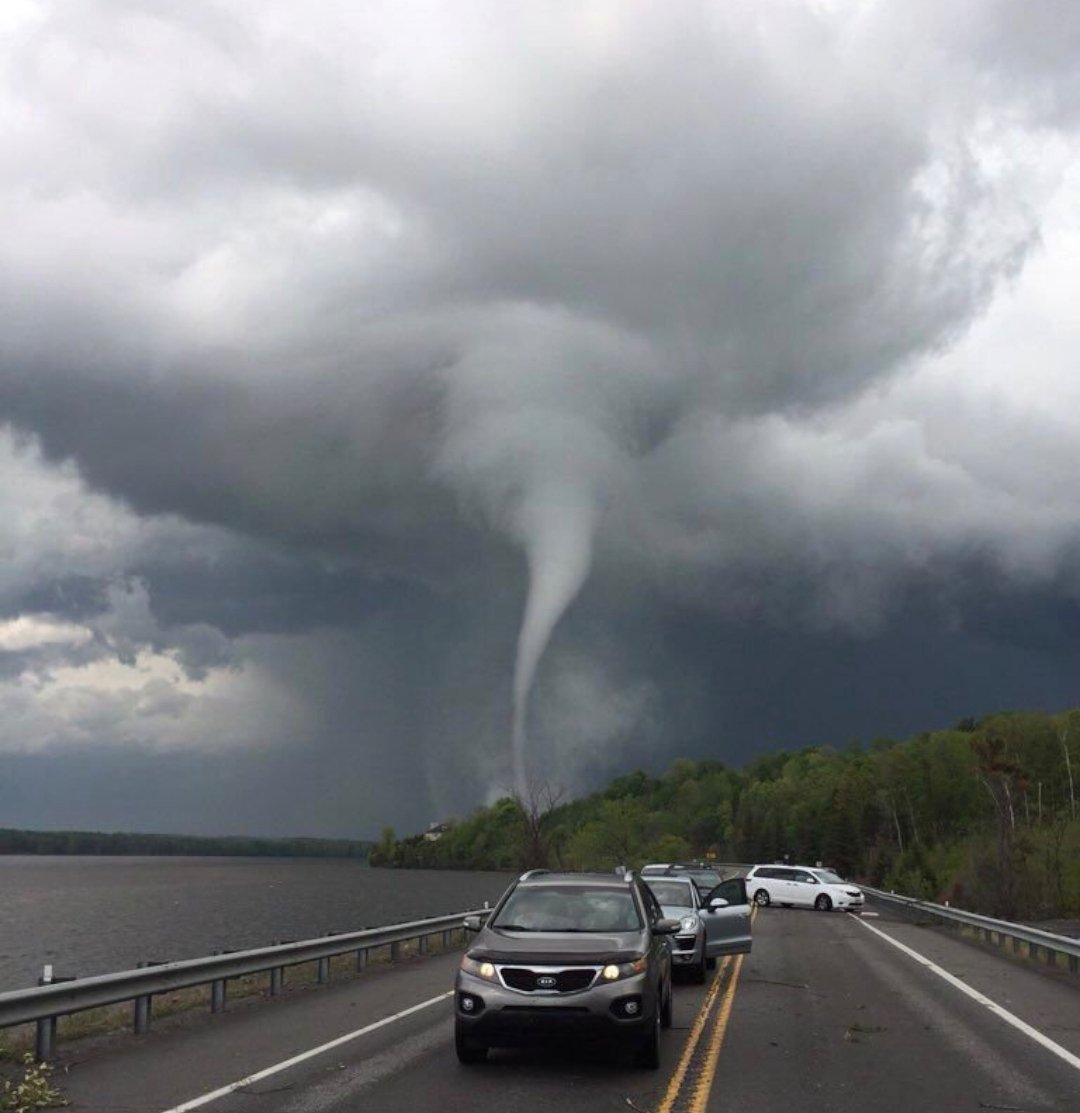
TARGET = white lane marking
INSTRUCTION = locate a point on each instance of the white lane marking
(258, 1076)
(975, 995)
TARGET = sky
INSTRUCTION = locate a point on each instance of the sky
(403, 403)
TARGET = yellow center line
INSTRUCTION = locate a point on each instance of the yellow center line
(675, 1085)
(679, 1076)
(712, 1055)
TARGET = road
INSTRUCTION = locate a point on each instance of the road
(828, 1013)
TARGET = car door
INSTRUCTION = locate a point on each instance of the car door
(804, 888)
(783, 886)
(726, 916)
(661, 944)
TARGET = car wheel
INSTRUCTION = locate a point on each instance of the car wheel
(761, 898)
(648, 1052)
(697, 973)
(823, 903)
(665, 1012)
(468, 1050)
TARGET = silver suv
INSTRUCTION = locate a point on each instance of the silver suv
(567, 955)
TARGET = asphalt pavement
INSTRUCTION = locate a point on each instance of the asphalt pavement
(825, 1014)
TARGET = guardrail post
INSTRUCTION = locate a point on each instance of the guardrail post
(324, 971)
(45, 1039)
(447, 939)
(217, 995)
(1074, 964)
(395, 952)
(422, 945)
(45, 1028)
(361, 960)
(141, 1020)
(277, 973)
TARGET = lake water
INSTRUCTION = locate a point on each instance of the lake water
(90, 915)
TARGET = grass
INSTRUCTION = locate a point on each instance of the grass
(1023, 951)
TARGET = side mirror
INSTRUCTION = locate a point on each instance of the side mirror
(717, 902)
(473, 923)
(666, 927)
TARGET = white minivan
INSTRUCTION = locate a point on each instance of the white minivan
(805, 886)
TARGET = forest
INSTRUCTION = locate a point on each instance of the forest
(984, 814)
(14, 841)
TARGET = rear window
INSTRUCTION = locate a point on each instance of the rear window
(672, 892)
(705, 879)
(568, 908)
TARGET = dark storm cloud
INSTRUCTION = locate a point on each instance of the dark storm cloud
(337, 314)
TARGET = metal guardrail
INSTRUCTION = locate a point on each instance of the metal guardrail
(45, 1003)
(1050, 944)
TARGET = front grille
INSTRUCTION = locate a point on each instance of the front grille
(527, 980)
(545, 1013)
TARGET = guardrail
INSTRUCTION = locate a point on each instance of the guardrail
(46, 1003)
(994, 931)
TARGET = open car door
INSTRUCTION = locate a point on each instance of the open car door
(726, 916)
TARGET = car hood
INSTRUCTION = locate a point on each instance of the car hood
(552, 946)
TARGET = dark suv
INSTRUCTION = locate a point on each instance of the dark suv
(567, 955)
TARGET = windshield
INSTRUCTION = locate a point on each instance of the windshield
(568, 908)
(672, 892)
(829, 877)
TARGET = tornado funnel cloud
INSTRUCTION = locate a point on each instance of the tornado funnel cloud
(556, 524)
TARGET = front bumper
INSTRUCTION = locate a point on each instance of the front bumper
(848, 903)
(505, 1017)
(688, 950)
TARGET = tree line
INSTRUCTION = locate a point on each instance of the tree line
(13, 841)
(985, 814)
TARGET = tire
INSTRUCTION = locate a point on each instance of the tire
(697, 973)
(823, 903)
(647, 1055)
(468, 1050)
(761, 898)
(665, 1012)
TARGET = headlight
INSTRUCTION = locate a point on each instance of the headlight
(613, 972)
(690, 923)
(480, 968)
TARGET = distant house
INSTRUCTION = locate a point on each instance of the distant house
(436, 831)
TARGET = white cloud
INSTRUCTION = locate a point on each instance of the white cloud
(149, 703)
(33, 631)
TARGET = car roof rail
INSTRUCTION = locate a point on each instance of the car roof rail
(532, 873)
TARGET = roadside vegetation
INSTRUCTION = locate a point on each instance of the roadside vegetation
(27, 1086)
(985, 814)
